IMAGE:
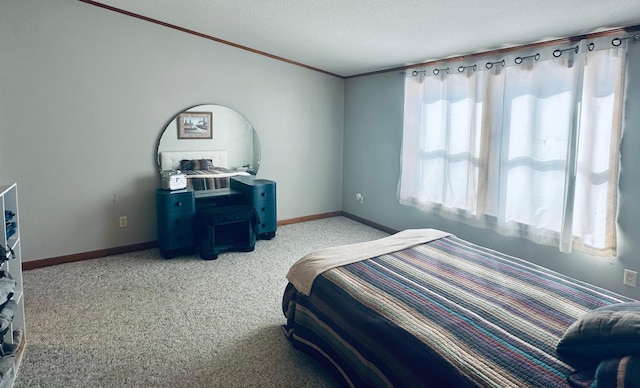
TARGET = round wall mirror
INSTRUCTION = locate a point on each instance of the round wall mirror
(213, 132)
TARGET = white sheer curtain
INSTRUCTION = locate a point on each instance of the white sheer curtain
(525, 144)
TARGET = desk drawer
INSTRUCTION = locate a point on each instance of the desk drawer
(267, 218)
(183, 202)
(265, 209)
(175, 230)
(177, 239)
(264, 193)
(174, 221)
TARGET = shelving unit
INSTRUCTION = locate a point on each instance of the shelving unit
(14, 340)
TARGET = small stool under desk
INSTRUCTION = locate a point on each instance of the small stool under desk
(226, 228)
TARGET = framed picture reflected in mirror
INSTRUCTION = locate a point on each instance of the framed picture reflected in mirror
(195, 125)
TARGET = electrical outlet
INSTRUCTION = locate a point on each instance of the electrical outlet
(360, 198)
(123, 221)
(630, 278)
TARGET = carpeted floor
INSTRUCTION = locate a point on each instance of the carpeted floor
(137, 320)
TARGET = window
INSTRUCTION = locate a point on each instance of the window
(526, 145)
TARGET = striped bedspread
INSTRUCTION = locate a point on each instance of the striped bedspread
(446, 313)
(208, 179)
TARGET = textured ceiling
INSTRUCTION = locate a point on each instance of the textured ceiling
(348, 37)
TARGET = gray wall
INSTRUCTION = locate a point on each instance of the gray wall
(373, 133)
(85, 92)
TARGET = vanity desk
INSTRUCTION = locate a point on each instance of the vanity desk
(215, 221)
(224, 207)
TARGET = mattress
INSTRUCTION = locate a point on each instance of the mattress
(444, 313)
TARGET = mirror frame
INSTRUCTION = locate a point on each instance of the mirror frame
(256, 147)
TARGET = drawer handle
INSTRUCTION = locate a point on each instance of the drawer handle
(263, 194)
(178, 204)
(264, 209)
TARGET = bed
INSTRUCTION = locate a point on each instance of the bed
(205, 170)
(425, 308)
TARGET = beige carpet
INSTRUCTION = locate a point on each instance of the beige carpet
(137, 320)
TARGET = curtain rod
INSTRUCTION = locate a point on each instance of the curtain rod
(617, 41)
(553, 42)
